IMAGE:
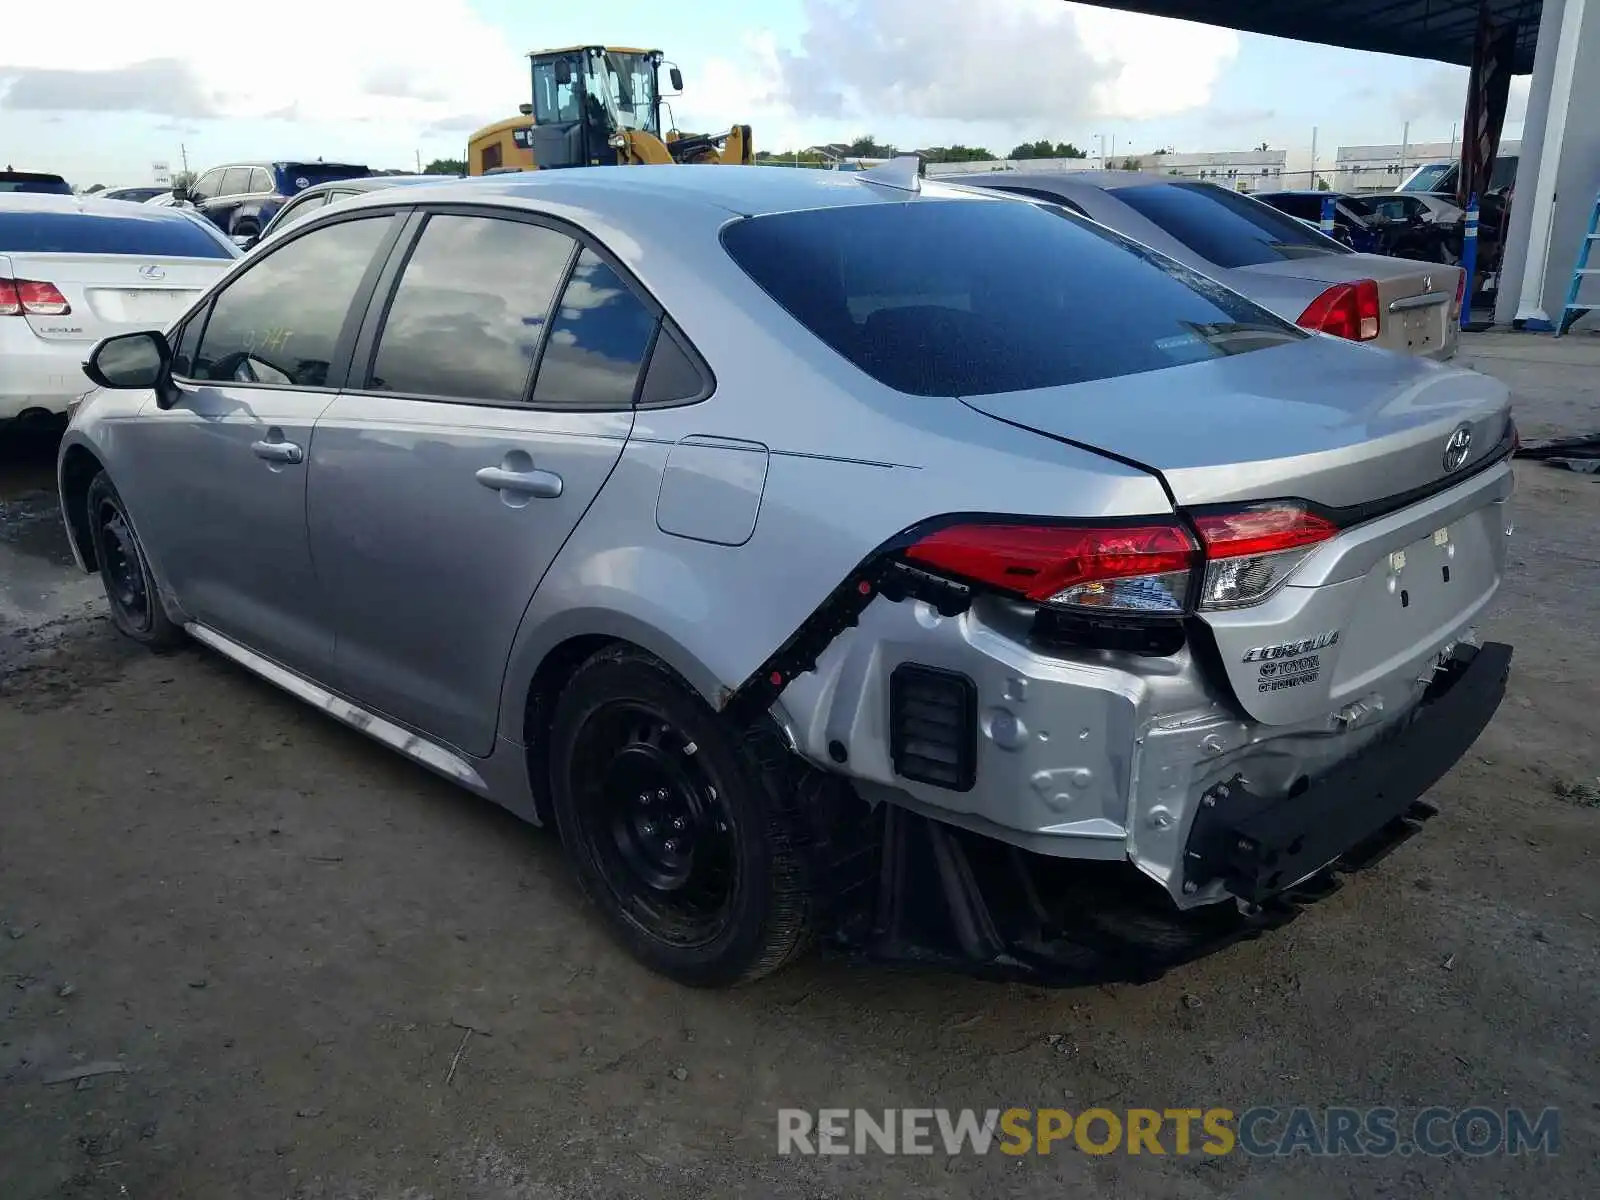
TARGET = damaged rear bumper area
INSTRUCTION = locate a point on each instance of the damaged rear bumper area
(955, 899)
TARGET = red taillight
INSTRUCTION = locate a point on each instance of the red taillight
(18, 296)
(1347, 310)
(1250, 551)
(1143, 567)
(1261, 529)
(1461, 294)
(1246, 552)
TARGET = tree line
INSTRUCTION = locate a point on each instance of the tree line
(867, 146)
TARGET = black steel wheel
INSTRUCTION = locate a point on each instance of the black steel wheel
(131, 591)
(688, 839)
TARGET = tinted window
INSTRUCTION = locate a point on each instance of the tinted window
(235, 182)
(599, 338)
(1225, 227)
(1307, 208)
(673, 376)
(143, 233)
(280, 321)
(1047, 197)
(183, 347)
(294, 178)
(973, 297)
(300, 208)
(472, 302)
(209, 184)
(27, 181)
(260, 180)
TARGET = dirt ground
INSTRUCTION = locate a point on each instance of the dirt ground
(322, 973)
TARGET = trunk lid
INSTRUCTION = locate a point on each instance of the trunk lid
(1322, 419)
(111, 293)
(1415, 299)
(1422, 544)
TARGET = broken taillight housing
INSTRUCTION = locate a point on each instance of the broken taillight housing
(1142, 568)
(1129, 568)
(1252, 550)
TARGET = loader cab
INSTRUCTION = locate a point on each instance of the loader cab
(585, 96)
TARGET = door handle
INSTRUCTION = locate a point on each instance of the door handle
(278, 452)
(546, 485)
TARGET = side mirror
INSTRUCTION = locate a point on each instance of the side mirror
(246, 241)
(132, 361)
(677, 79)
(525, 109)
(563, 72)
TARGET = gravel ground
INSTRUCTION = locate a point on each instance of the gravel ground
(311, 970)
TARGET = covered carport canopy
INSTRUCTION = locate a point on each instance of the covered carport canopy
(1560, 144)
(1442, 30)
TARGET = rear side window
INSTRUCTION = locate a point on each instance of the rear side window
(279, 322)
(972, 297)
(1225, 227)
(472, 303)
(146, 234)
(236, 182)
(599, 339)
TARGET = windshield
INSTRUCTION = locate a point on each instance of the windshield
(1016, 296)
(626, 85)
(1428, 178)
(1224, 227)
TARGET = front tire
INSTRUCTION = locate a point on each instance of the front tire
(131, 591)
(687, 836)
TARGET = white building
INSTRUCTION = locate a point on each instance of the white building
(1384, 168)
(1242, 170)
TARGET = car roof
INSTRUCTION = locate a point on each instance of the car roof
(30, 177)
(370, 183)
(1063, 183)
(742, 191)
(93, 206)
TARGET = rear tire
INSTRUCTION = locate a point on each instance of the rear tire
(131, 591)
(686, 834)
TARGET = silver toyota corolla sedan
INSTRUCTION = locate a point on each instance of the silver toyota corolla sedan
(1279, 262)
(828, 556)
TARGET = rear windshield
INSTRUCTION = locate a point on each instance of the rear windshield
(26, 181)
(1225, 227)
(297, 177)
(1429, 178)
(91, 233)
(972, 297)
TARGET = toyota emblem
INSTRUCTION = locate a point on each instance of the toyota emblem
(151, 271)
(1457, 449)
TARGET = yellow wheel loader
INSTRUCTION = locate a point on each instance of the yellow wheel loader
(599, 106)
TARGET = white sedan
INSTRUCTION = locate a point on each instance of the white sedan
(75, 269)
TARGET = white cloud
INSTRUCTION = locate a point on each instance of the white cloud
(333, 61)
(1003, 68)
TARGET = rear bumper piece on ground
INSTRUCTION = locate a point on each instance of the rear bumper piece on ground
(954, 899)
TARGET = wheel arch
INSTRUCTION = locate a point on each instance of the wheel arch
(543, 663)
(77, 467)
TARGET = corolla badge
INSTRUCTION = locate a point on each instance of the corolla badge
(1457, 448)
(152, 271)
(1283, 650)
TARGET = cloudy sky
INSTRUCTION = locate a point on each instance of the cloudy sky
(100, 89)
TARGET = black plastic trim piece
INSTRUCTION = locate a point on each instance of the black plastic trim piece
(1259, 845)
(964, 693)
